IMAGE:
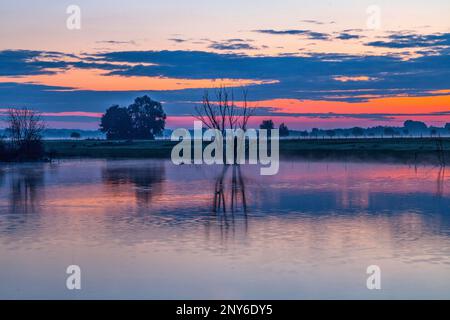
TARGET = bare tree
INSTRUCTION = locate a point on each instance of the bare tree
(222, 113)
(25, 129)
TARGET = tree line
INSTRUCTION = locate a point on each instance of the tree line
(410, 129)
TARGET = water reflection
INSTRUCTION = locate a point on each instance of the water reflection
(440, 181)
(237, 199)
(146, 181)
(165, 231)
(229, 205)
(25, 196)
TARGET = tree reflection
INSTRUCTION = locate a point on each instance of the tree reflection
(440, 181)
(230, 199)
(145, 180)
(25, 186)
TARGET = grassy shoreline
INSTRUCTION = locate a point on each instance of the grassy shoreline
(408, 149)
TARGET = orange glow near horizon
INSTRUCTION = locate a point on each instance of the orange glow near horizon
(98, 80)
(401, 104)
(307, 123)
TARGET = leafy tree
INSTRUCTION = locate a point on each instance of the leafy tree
(147, 118)
(433, 132)
(330, 133)
(116, 123)
(284, 130)
(315, 132)
(357, 131)
(267, 124)
(415, 125)
(144, 119)
(75, 135)
(388, 131)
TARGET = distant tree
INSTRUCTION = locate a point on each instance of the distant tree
(116, 123)
(75, 135)
(357, 131)
(284, 130)
(147, 118)
(413, 126)
(433, 132)
(388, 131)
(267, 124)
(315, 132)
(405, 132)
(447, 126)
(330, 133)
(304, 134)
(25, 129)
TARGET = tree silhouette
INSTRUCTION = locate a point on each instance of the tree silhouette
(357, 131)
(388, 131)
(116, 123)
(147, 118)
(75, 135)
(405, 132)
(284, 130)
(330, 133)
(433, 132)
(25, 129)
(221, 112)
(267, 124)
(415, 125)
(144, 119)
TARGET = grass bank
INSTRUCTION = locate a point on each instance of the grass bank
(408, 149)
(412, 150)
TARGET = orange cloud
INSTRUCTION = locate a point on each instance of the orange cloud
(358, 78)
(98, 80)
(401, 104)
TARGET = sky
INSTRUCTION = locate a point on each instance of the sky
(325, 64)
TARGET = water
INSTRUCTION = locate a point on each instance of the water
(149, 229)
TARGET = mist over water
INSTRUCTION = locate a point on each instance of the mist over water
(150, 229)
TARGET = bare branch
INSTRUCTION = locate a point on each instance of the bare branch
(223, 113)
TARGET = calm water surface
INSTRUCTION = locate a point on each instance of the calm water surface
(149, 229)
